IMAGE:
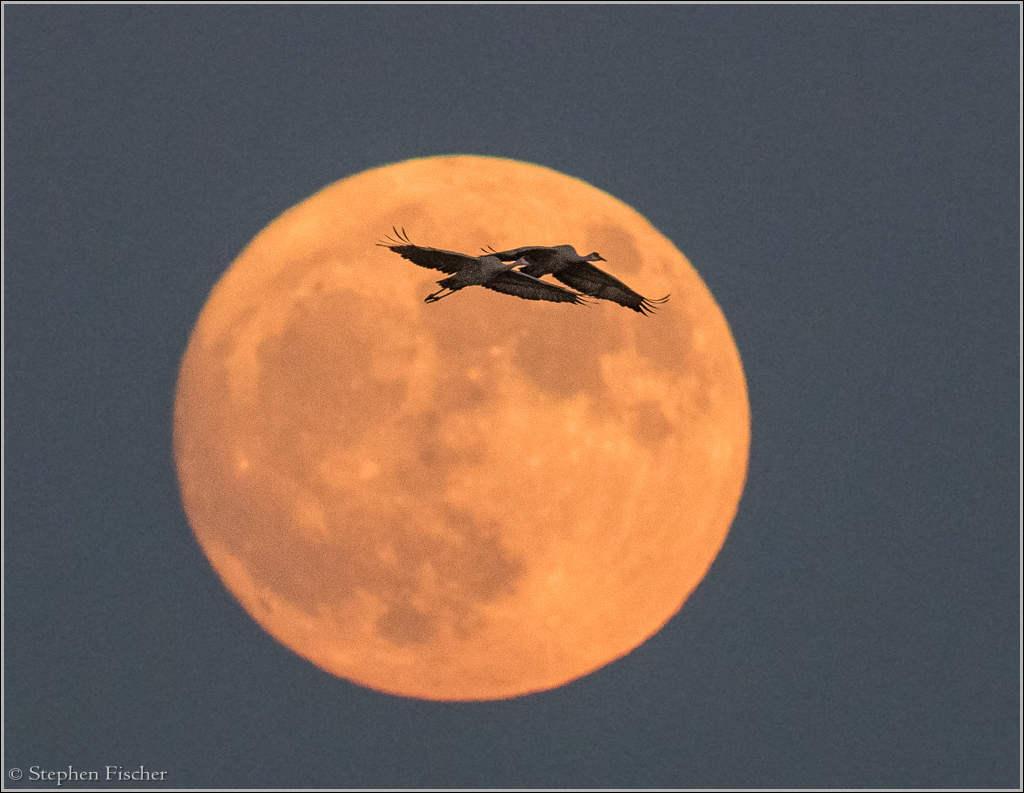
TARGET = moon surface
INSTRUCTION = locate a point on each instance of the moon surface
(470, 500)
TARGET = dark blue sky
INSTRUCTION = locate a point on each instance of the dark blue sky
(846, 179)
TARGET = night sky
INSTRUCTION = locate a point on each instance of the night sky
(846, 179)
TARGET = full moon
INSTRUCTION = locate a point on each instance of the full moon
(469, 500)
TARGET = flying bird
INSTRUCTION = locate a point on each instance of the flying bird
(487, 271)
(576, 271)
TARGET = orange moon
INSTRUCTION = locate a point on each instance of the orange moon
(470, 500)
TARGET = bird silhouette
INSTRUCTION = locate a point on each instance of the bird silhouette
(576, 271)
(487, 271)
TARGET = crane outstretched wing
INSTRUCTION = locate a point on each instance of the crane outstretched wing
(531, 252)
(516, 283)
(434, 258)
(535, 270)
(537, 260)
(594, 282)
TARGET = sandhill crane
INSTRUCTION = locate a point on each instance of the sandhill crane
(574, 270)
(487, 271)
